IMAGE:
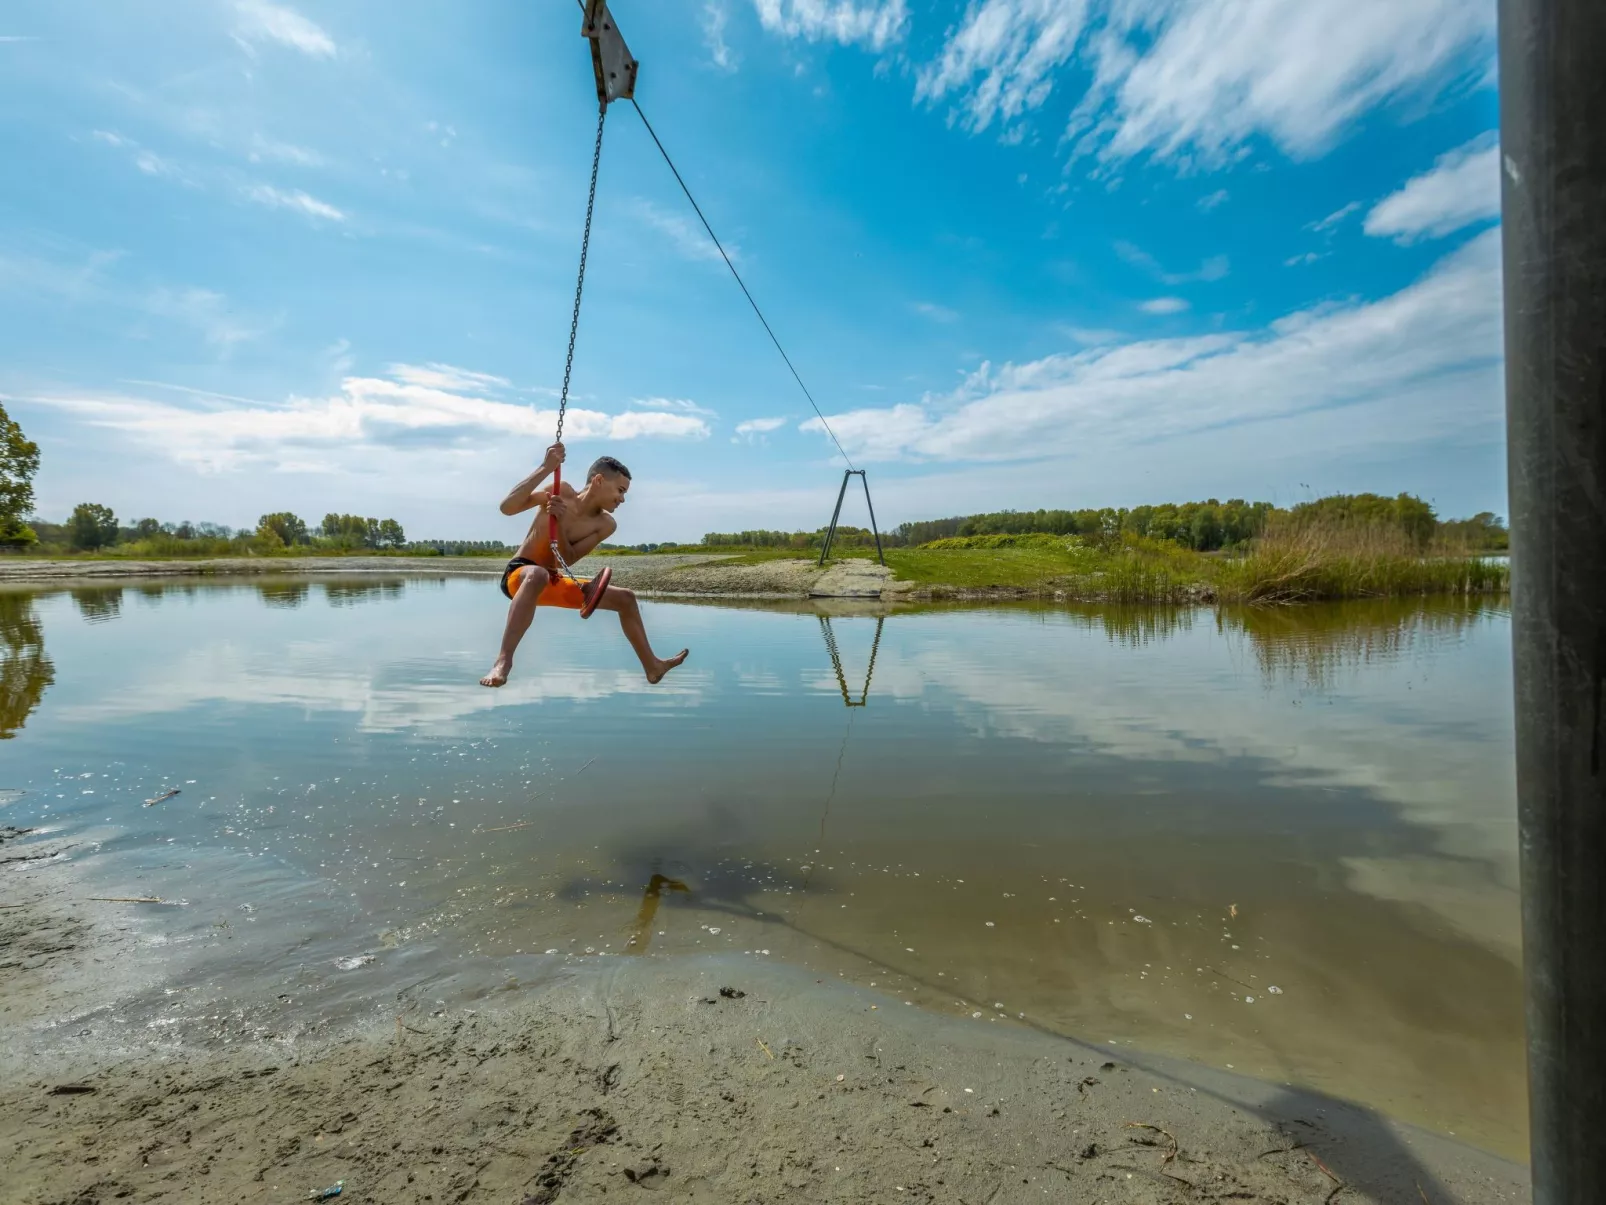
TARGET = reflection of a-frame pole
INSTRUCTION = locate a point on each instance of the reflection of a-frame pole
(836, 661)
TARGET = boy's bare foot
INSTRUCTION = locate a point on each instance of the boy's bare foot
(656, 675)
(503, 666)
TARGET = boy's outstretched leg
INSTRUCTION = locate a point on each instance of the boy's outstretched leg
(629, 610)
(532, 580)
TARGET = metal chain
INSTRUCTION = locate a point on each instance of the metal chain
(580, 284)
(574, 321)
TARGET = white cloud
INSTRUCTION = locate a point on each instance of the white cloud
(206, 311)
(278, 198)
(1002, 59)
(753, 430)
(145, 160)
(1463, 187)
(937, 313)
(1219, 197)
(1215, 267)
(1195, 81)
(1424, 343)
(445, 376)
(1297, 261)
(261, 21)
(1164, 305)
(715, 17)
(87, 282)
(328, 434)
(688, 238)
(1335, 219)
(875, 24)
(266, 149)
(675, 405)
(1089, 336)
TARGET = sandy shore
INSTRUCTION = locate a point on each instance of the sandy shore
(667, 574)
(705, 1080)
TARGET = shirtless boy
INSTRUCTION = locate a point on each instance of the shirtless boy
(585, 519)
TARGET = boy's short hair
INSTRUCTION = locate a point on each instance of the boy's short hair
(609, 466)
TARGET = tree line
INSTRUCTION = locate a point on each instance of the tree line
(1207, 526)
(93, 527)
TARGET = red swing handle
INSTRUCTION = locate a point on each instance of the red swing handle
(557, 490)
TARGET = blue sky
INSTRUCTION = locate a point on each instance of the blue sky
(320, 256)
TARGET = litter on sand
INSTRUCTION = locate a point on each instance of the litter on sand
(352, 962)
(323, 1194)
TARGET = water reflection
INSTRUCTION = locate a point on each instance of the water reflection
(98, 604)
(284, 594)
(1125, 824)
(25, 671)
(1315, 645)
(836, 661)
(348, 594)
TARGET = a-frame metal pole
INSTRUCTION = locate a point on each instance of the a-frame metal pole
(1553, 171)
(880, 556)
(830, 532)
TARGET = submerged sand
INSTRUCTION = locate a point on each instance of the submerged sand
(702, 1079)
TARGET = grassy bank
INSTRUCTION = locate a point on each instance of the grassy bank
(1292, 563)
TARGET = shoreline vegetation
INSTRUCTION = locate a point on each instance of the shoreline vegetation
(1335, 548)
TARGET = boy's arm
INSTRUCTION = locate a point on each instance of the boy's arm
(574, 551)
(524, 495)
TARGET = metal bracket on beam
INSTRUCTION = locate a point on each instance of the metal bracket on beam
(611, 59)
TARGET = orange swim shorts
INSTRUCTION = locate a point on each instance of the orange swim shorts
(559, 592)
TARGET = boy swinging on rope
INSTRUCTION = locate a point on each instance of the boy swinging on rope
(533, 578)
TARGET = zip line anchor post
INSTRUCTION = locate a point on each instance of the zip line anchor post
(836, 515)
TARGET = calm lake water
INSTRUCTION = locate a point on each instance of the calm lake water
(1280, 841)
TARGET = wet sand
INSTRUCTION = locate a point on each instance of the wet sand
(706, 1079)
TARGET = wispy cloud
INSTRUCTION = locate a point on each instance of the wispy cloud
(333, 433)
(674, 405)
(716, 15)
(90, 282)
(261, 21)
(293, 199)
(1002, 59)
(1089, 336)
(875, 24)
(1463, 187)
(18, 38)
(145, 160)
(1335, 219)
(937, 313)
(1219, 197)
(1309, 257)
(687, 237)
(266, 150)
(444, 376)
(1164, 305)
(1411, 355)
(753, 430)
(206, 311)
(1194, 81)
(1216, 267)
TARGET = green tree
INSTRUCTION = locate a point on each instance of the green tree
(289, 528)
(145, 529)
(92, 526)
(391, 534)
(19, 461)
